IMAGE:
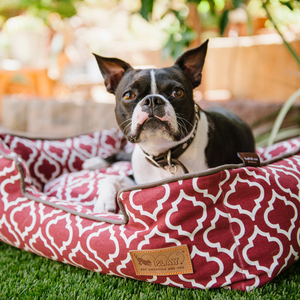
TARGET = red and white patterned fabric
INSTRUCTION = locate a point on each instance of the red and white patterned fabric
(242, 226)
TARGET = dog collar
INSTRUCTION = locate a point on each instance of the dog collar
(169, 160)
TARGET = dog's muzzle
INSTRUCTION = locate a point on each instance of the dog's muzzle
(153, 112)
(154, 105)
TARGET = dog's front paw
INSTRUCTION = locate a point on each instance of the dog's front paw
(109, 188)
(95, 163)
(105, 204)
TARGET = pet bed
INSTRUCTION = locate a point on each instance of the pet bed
(231, 226)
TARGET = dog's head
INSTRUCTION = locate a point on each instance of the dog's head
(154, 102)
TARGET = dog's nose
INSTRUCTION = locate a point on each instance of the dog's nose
(152, 102)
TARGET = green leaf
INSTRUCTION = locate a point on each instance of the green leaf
(178, 50)
(212, 6)
(173, 48)
(224, 21)
(188, 35)
(194, 1)
(147, 9)
(167, 49)
(237, 3)
(65, 9)
(288, 4)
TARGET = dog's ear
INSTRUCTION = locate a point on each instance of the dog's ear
(191, 63)
(112, 70)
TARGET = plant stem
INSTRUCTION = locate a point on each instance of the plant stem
(264, 4)
(281, 115)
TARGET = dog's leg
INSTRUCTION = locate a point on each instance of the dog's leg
(95, 163)
(109, 188)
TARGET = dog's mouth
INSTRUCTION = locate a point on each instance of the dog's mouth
(152, 126)
(154, 123)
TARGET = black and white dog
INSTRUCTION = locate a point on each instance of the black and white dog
(156, 111)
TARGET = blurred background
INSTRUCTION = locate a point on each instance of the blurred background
(50, 85)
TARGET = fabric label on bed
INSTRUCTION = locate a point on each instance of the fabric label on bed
(162, 262)
(249, 159)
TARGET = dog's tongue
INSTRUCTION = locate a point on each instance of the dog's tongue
(142, 117)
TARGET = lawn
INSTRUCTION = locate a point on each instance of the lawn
(28, 276)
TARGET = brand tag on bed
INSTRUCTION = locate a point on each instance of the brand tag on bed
(249, 159)
(161, 262)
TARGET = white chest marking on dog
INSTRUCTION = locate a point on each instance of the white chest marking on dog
(153, 82)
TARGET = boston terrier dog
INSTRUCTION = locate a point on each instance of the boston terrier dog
(172, 135)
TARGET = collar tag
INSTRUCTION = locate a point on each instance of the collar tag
(171, 168)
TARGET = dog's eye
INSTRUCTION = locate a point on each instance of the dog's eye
(177, 93)
(128, 96)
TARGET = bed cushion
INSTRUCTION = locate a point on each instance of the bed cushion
(48, 159)
(241, 225)
(83, 187)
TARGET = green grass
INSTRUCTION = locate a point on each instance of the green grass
(25, 275)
